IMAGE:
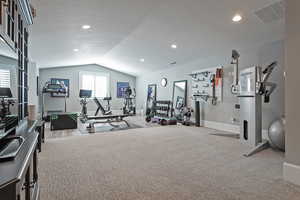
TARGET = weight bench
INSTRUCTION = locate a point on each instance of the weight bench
(100, 107)
(109, 119)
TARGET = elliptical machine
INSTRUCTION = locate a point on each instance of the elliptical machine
(129, 102)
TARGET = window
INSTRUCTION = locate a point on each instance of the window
(97, 82)
(4, 78)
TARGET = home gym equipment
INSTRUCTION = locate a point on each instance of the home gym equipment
(252, 86)
(106, 111)
(161, 113)
(109, 119)
(235, 62)
(59, 120)
(129, 102)
(10, 144)
(8, 122)
(106, 118)
(207, 85)
(84, 95)
(197, 114)
(185, 116)
(5, 102)
(63, 121)
(51, 88)
(276, 133)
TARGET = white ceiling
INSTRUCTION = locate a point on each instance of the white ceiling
(124, 31)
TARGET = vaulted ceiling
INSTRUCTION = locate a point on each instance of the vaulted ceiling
(123, 32)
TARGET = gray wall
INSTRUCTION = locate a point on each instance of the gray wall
(292, 96)
(225, 111)
(72, 73)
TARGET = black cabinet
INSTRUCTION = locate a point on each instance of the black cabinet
(19, 177)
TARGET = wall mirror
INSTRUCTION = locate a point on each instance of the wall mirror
(151, 97)
(179, 95)
(8, 79)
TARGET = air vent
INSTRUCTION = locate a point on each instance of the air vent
(271, 13)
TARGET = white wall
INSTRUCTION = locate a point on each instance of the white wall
(33, 72)
(72, 73)
(292, 96)
(225, 111)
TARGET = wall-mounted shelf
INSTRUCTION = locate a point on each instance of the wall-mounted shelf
(207, 84)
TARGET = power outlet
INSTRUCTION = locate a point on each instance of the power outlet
(234, 120)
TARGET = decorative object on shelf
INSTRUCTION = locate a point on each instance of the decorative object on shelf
(32, 112)
(33, 11)
(121, 89)
(65, 82)
(164, 82)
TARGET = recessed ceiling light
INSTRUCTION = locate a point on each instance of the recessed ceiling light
(142, 60)
(174, 46)
(237, 18)
(76, 50)
(86, 27)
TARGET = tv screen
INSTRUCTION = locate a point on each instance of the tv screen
(5, 93)
(85, 93)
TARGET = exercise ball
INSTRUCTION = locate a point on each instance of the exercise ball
(277, 134)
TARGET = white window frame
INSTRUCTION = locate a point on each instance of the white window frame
(107, 75)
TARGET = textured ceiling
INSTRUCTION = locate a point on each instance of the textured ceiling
(124, 31)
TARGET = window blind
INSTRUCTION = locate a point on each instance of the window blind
(4, 78)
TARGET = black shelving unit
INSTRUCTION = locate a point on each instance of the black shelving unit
(22, 49)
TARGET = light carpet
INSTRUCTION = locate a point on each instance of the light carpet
(159, 163)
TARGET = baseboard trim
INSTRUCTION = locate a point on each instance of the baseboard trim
(291, 173)
(232, 128)
(221, 126)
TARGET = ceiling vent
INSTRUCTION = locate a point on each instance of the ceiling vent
(271, 13)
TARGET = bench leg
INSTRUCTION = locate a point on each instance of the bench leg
(126, 122)
(91, 128)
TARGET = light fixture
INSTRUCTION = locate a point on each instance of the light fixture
(86, 27)
(237, 18)
(174, 46)
(76, 50)
(1, 39)
(142, 60)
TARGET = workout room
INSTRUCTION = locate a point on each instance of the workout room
(148, 99)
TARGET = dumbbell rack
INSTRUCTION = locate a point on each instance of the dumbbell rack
(163, 109)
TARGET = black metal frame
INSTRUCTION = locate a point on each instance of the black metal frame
(155, 94)
(185, 92)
